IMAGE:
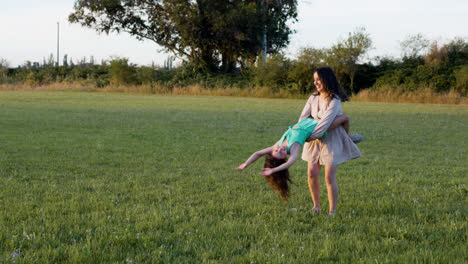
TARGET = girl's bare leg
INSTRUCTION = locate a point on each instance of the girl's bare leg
(313, 171)
(345, 123)
(340, 120)
(332, 187)
(343, 120)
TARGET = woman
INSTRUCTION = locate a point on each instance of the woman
(337, 147)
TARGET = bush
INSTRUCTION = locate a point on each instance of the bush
(272, 73)
(461, 80)
(301, 77)
(300, 74)
(120, 72)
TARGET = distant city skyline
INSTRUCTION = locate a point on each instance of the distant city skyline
(28, 29)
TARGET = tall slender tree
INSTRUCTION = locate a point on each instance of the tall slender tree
(347, 52)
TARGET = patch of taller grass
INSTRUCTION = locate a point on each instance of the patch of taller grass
(195, 90)
(387, 94)
(420, 96)
(62, 86)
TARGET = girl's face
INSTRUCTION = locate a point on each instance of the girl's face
(280, 152)
(318, 83)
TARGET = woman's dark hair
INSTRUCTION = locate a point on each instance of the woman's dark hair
(278, 180)
(330, 83)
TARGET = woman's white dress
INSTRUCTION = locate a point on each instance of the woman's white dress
(337, 146)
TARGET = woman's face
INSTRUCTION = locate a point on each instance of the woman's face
(280, 152)
(317, 82)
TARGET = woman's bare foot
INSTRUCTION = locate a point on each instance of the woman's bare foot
(316, 210)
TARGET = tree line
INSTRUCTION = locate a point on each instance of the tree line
(439, 67)
(239, 43)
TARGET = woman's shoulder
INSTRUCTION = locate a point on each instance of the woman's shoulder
(335, 101)
(313, 96)
(316, 99)
(329, 103)
(316, 95)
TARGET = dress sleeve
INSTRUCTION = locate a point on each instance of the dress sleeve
(307, 111)
(333, 109)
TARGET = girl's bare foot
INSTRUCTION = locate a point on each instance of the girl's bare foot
(316, 210)
(356, 138)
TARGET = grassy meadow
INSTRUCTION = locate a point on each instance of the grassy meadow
(121, 178)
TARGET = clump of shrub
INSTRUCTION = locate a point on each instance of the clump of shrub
(442, 69)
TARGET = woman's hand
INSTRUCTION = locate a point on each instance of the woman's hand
(241, 167)
(266, 172)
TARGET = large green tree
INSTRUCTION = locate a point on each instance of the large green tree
(212, 34)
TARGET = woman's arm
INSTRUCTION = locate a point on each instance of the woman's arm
(255, 157)
(294, 150)
(307, 110)
(333, 109)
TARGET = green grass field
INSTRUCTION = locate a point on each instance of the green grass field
(114, 178)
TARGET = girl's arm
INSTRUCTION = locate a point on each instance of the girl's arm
(255, 157)
(294, 151)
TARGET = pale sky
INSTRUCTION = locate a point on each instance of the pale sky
(28, 29)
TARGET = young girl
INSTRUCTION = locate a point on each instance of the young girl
(276, 162)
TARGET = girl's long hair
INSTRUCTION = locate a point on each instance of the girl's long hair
(280, 180)
(330, 83)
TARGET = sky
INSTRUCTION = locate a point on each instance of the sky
(28, 29)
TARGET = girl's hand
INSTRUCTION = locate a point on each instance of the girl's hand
(266, 172)
(241, 167)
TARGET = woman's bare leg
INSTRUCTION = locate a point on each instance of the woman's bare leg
(332, 187)
(313, 170)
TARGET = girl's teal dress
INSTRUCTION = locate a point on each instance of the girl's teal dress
(300, 132)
